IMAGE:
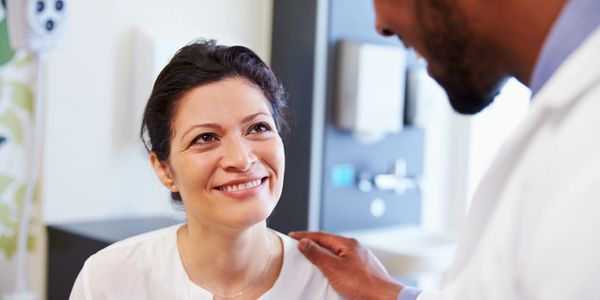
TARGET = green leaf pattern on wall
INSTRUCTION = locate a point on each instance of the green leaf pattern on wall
(10, 121)
(22, 97)
(6, 53)
(16, 113)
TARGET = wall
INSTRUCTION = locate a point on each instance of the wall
(349, 208)
(306, 65)
(17, 91)
(459, 150)
(490, 128)
(446, 159)
(94, 165)
(298, 63)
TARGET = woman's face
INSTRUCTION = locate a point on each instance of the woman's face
(227, 159)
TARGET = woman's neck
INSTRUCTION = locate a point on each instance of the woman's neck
(227, 261)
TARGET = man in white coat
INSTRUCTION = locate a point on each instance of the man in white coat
(533, 231)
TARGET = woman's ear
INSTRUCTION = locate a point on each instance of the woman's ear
(163, 172)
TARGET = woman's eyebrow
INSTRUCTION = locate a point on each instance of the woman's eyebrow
(217, 126)
(252, 116)
(207, 125)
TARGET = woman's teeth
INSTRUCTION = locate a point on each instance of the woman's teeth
(241, 186)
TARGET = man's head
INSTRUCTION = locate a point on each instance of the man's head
(465, 63)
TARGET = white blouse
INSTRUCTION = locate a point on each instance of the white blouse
(148, 266)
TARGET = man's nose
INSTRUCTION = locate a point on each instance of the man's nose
(381, 29)
(239, 156)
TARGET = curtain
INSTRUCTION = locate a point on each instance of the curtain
(17, 79)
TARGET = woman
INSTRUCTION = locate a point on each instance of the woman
(212, 127)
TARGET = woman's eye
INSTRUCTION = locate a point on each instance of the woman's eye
(260, 127)
(204, 138)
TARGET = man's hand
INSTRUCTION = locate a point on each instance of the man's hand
(352, 270)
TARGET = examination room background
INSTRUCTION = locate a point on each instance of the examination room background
(95, 169)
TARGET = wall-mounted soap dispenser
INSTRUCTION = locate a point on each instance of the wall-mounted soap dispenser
(370, 89)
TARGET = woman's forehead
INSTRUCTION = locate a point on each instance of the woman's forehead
(224, 100)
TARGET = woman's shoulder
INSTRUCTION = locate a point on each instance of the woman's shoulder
(297, 272)
(133, 268)
(135, 254)
(294, 258)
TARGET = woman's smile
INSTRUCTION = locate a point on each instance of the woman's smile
(243, 188)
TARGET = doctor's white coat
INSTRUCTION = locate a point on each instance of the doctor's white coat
(533, 230)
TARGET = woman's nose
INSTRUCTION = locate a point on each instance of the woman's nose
(238, 156)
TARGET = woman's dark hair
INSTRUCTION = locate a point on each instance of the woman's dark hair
(197, 64)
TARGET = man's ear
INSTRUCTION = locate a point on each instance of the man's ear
(163, 173)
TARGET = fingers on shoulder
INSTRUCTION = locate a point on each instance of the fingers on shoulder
(322, 238)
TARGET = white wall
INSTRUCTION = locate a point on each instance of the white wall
(459, 150)
(94, 166)
(490, 128)
(446, 156)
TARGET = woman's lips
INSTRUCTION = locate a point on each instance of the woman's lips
(243, 188)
